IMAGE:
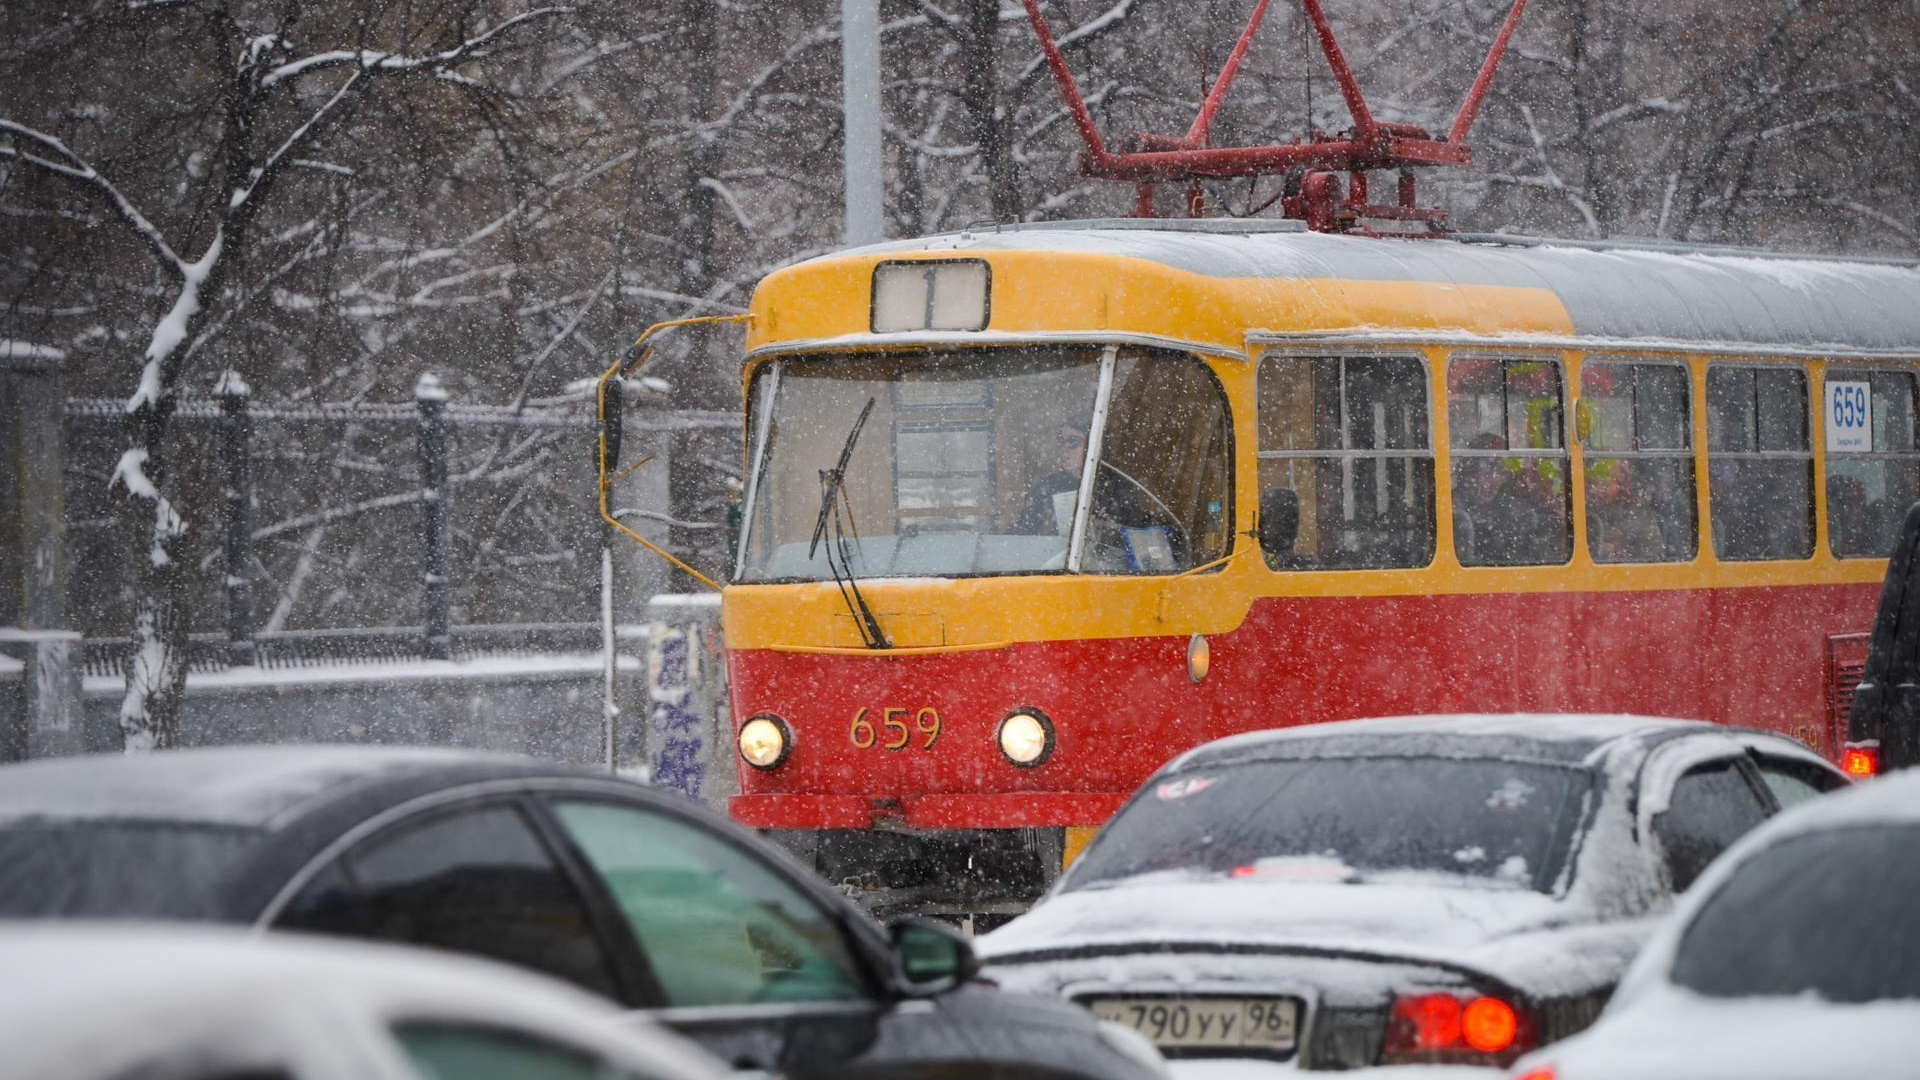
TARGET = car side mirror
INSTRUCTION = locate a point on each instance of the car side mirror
(931, 958)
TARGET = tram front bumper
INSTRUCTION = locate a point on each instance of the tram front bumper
(998, 810)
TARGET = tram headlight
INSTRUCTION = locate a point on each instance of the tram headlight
(1025, 737)
(765, 742)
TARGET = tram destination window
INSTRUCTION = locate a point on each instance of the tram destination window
(1346, 465)
(1759, 462)
(1639, 462)
(1870, 486)
(1511, 503)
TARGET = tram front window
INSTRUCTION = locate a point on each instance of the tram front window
(972, 462)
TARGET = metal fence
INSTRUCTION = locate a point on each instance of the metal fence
(433, 419)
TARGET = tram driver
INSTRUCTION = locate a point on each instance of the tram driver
(1049, 504)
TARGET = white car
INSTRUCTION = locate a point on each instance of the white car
(1439, 890)
(1797, 957)
(83, 1001)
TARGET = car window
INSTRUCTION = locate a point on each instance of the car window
(1491, 823)
(1794, 782)
(459, 1052)
(472, 881)
(1827, 913)
(1711, 807)
(719, 926)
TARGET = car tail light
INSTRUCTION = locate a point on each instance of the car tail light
(1544, 1072)
(1861, 759)
(1459, 1030)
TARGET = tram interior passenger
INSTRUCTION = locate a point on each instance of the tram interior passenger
(1511, 503)
(1637, 428)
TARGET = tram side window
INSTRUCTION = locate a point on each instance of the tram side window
(1639, 462)
(1511, 503)
(1759, 462)
(1869, 487)
(1346, 467)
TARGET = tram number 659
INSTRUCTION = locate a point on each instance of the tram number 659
(895, 728)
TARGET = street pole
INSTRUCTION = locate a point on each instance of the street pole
(860, 83)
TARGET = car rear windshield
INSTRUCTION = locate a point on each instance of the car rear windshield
(1497, 822)
(1829, 913)
(157, 870)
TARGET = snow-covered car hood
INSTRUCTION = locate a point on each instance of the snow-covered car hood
(1360, 917)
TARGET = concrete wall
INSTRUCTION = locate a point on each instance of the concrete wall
(673, 726)
(544, 706)
(39, 656)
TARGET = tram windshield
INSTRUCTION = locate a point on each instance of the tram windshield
(972, 462)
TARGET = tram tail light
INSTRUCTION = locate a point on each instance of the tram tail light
(1861, 760)
(1456, 1030)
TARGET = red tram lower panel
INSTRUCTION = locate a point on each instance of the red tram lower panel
(926, 756)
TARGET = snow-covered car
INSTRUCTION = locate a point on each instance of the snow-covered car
(639, 895)
(110, 1002)
(1797, 956)
(1436, 889)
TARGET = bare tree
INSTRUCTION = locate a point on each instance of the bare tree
(271, 104)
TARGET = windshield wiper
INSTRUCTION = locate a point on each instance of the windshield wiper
(833, 506)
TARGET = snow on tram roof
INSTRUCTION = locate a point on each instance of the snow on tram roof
(1610, 290)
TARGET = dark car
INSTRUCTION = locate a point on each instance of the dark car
(1437, 889)
(640, 896)
(1883, 719)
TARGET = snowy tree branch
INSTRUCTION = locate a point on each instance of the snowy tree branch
(76, 169)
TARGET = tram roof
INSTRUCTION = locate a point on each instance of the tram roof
(1611, 290)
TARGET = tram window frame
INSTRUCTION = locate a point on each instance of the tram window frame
(1682, 494)
(1415, 545)
(1463, 452)
(1857, 539)
(1730, 499)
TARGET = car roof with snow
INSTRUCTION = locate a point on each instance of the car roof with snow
(1565, 738)
(259, 787)
(215, 833)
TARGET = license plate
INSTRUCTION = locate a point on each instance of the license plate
(1197, 1023)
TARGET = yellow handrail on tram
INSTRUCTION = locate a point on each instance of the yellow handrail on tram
(605, 483)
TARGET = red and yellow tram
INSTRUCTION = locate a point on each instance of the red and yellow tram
(1031, 510)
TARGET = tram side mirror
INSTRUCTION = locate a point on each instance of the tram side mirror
(613, 407)
(930, 957)
(1582, 421)
(1279, 521)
